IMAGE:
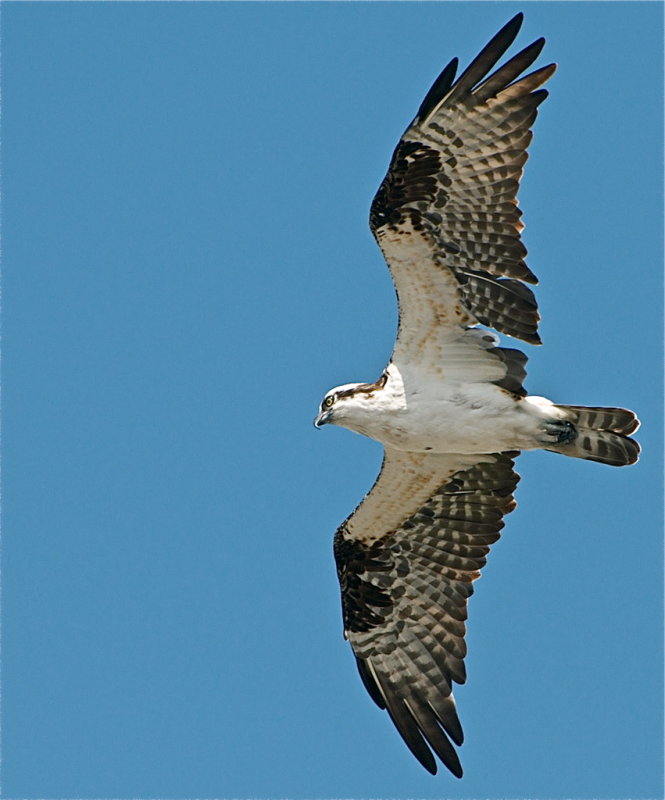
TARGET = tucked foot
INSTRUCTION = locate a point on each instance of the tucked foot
(559, 432)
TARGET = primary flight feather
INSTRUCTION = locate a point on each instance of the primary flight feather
(449, 408)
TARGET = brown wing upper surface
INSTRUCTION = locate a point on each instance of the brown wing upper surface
(406, 576)
(446, 214)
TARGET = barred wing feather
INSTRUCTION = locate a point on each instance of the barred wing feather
(447, 221)
(406, 577)
(446, 214)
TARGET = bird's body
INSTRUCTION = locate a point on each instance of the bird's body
(450, 407)
(427, 413)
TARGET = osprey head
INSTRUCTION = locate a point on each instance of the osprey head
(349, 405)
(330, 409)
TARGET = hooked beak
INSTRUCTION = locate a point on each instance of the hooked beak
(321, 420)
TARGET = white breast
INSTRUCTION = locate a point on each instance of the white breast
(426, 414)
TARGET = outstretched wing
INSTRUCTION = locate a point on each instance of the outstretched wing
(406, 559)
(446, 215)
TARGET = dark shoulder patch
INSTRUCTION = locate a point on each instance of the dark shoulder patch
(414, 176)
(365, 574)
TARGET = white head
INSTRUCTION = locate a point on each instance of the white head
(352, 406)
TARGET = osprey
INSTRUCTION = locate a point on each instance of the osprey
(449, 408)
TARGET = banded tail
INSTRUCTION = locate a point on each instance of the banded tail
(601, 435)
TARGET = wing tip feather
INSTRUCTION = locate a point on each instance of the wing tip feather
(439, 89)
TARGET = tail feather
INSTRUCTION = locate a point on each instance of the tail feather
(601, 434)
(616, 420)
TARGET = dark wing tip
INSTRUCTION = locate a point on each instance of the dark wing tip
(444, 83)
(509, 31)
(515, 22)
(439, 89)
(487, 58)
(548, 70)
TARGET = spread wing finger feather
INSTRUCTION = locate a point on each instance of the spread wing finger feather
(446, 214)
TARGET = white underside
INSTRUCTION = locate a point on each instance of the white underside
(430, 415)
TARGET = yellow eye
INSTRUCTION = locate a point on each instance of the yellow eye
(329, 401)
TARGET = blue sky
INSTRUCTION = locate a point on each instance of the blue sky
(187, 269)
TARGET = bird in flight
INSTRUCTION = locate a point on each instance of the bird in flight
(450, 408)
